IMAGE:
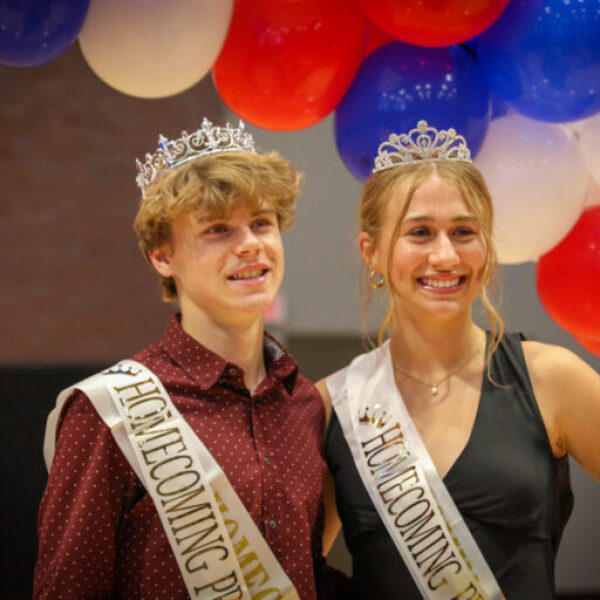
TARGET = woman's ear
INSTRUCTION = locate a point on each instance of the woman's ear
(368, 250)
(161, 261)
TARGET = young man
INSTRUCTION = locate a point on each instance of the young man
(194, 469)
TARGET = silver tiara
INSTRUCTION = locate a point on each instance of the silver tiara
(424, 143)
(207, 140)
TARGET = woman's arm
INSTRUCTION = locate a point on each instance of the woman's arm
(568, 394)
(332, 520)
(322, 387)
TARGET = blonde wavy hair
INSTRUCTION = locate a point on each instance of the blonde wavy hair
(400, 183)
(216, 184)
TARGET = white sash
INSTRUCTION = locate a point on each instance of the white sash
(219, 549)
(403, 484)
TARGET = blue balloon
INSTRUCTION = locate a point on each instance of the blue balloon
(498, 106)
(543, 58)
(33, 32)
(396, 86)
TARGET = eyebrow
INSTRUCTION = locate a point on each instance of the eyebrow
(427, 218)
(223, 217)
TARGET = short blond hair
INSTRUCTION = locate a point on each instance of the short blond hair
(216, 184)
(400, 183)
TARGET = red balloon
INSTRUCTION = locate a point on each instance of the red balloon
(591, 345)
(286, 64)
(568, 277)
(376, 38)
(433, 23)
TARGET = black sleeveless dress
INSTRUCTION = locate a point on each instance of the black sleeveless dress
(513, 494)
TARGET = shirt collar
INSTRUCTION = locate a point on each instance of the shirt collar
(206, 367)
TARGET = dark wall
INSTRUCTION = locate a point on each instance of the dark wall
(28, 395)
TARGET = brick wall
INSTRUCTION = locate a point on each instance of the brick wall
(75, 288)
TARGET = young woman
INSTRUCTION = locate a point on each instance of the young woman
(447, 443)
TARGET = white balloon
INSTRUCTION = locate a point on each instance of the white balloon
(589, 140)
(154, 48)
(592, 196)
(575, 126)
(538, 180)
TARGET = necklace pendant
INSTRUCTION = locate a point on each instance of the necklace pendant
(434, 389)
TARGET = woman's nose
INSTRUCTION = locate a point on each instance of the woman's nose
(443, 252)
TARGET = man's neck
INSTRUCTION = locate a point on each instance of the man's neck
(240, 343)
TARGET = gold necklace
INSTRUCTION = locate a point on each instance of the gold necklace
(435, 386)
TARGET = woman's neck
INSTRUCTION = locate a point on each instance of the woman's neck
(432, 349)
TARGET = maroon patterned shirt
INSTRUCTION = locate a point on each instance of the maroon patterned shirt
(99, 533)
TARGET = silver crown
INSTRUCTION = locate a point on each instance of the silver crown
(424, 143)
(207, 140)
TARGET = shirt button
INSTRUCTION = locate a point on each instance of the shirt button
(232, 371)
(267, 461)
(272, 523)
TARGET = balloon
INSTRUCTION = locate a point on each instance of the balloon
(34, 33)
(499, 108)
(433, 23)
(589, 139)
(576, 126)
(592, 196)
(591, 345)
(398, 85)
(153, 48)
(376, 38)
(543, 58)
(286, 65)
(568, 278)
(537, 179)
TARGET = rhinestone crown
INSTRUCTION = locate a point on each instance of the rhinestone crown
(424, 143)
(207, 140)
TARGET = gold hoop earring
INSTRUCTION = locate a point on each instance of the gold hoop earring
(376, 279)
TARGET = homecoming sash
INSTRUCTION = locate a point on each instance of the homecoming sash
(403, 484)
(219, 549)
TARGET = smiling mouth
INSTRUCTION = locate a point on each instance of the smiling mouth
(442, 283)
(249, 274)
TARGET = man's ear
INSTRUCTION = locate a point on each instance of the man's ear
(368, 250)
(161, 261)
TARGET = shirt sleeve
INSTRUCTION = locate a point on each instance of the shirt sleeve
(87, 491)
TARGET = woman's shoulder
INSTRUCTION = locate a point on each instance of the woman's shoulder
(552, 363)
(558, 374)
(568, 393)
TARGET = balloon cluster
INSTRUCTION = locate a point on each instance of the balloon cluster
(520, 80)
(144, 48)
